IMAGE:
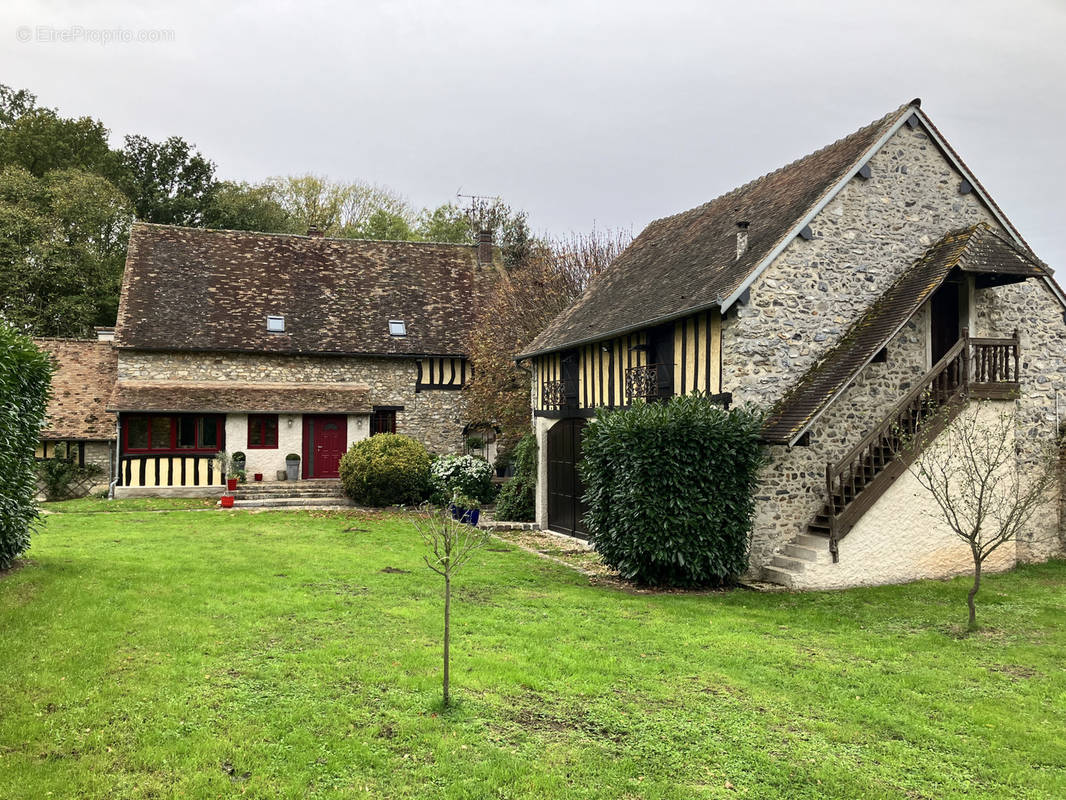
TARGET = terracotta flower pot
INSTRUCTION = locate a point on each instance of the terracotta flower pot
(231, 484)
(227, 501)
(259, 476)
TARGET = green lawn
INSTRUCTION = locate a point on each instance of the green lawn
(220, 654)
(102, 504)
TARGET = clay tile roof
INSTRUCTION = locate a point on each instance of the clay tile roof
(84, 374)
(221, 398)
(195, 289)
(977, 249)
(688, 262)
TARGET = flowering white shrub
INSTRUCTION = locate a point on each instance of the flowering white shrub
(464, 475)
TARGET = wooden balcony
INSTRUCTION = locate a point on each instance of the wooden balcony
(555, 395)
(648, 383)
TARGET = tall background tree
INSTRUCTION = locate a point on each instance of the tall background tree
(167, 182)
(540, 279)
(67, 200)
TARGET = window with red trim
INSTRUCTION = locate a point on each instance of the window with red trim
(262, 431)
(176, 433)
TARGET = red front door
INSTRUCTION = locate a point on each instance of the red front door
(325, 440)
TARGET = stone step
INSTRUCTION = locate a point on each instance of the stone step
(786, 563)
(290, 490)
(799, 551)
(293, 502)
(281, 495)
(814, 542)
(778, 576)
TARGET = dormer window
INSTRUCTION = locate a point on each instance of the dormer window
(276, 324)
(397, 327)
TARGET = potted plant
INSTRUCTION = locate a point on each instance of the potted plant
(258, 477)
(292, 466)
(227, 501)
(465, 509)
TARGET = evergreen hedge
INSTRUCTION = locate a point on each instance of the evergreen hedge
(670, 490)
(517, 499)
(25, 383)
(386, 469)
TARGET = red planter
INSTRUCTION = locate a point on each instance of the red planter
(259, 476)
(227, 501)
(231, 484)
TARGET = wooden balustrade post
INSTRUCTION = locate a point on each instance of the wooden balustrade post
(965, 377)
(1017, 347)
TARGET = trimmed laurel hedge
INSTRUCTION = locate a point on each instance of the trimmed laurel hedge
(25, 383)
(516, 502)
(384, 470)
(670, 490)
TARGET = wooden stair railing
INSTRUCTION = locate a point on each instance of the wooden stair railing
(980, 367)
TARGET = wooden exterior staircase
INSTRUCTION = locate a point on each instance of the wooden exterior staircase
(973, 368)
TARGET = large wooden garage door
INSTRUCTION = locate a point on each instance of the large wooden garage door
(565, 489)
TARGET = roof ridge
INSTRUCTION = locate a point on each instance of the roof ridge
(754, 181)
(145, 223)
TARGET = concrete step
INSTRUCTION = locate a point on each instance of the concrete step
(288, 485)
(293, 502)
(799, 551)
(813, 542)
(255, 495)
(778, 576)
(786, 563)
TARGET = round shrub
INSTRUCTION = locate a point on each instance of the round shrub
(670, 490)
(517, 499)
(386, 469)
(466, 475)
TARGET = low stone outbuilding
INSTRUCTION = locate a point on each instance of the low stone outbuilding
(79, 426)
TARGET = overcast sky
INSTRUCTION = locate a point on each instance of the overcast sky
(609, 113)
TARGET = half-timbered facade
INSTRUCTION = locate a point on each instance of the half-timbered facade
(272, 344)
(849, 295)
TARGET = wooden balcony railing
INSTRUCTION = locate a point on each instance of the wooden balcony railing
(646, 383)
(978, 367)
(554, 395)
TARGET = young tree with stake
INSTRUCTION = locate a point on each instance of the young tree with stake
(451, 544)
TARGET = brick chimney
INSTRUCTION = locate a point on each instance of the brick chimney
(314, 232)
(742, 239)
(484, 247)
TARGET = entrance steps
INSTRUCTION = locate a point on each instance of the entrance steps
(793, 558)
(294, 494)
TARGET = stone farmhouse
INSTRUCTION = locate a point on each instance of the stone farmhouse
(274, 344)
(836, 292)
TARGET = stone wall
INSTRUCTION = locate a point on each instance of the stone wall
(863, 240)
(792, 488)
(434, 417)
(1032, 310)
